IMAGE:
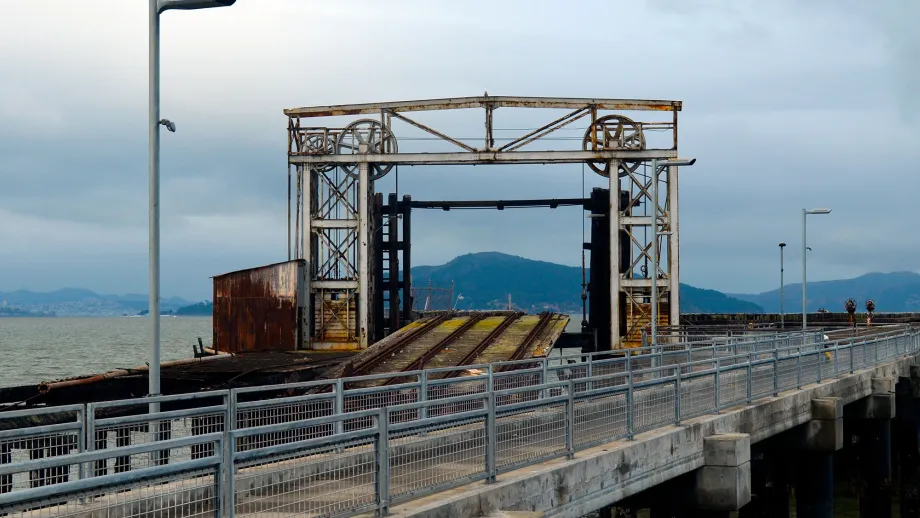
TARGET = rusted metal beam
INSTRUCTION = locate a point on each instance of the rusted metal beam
(521, 351)
(421, 361)
(511, 157)
(387, 349)
(485, 343)
(434, 132)
(484, 102)
(546, 129)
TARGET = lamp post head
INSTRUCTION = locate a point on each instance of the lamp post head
(782, 245)
(170, 125)
(165, 5)
(677, 162)
(818, 211)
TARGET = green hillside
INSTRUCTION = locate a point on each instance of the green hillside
(485, 280)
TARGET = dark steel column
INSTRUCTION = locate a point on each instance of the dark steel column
(393, 250)
(376, 273)
(907, 434)
(769, 485)
(406, 255)
(599, 282)
(876, 468)
(814, 488)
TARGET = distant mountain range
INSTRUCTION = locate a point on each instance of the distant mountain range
(484, 281)
(894, 292)
(79, 302)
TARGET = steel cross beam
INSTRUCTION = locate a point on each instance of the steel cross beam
(484, 157)
(484, 101)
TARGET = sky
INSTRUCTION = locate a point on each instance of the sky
(786, 105)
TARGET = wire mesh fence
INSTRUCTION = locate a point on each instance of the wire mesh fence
(341, 449)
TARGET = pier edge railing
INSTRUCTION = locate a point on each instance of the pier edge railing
(350, 446)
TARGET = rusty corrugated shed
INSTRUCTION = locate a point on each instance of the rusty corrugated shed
(259, 308)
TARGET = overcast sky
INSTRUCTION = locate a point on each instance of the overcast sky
(785, 106)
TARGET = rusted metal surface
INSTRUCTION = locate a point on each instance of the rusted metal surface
(259, 308)
(455, 334)
(372, 357)
(485, 101)
(470, 357)
(525, 347)
(458, 338)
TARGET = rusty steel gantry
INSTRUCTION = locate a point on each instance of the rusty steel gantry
(336, 167)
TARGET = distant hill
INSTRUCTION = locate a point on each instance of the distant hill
(485, 279)
(201, 309)
(82, 302)
(895, 292)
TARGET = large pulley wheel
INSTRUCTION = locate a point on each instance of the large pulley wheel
(379, 140)
(614, 133)
(319, 144)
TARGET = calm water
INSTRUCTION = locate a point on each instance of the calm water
(43, 349)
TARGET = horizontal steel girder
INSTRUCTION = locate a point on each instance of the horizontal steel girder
(513, 157)
(484, 102)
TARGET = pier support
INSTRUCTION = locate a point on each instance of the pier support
(723, 484)
(872, 418)
(769, 480)
(907, 431)
(822, 436)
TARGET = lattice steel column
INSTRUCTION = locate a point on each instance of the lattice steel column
(615, 276)
(364, 257)
(330, 248)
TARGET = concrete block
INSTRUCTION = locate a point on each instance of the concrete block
(824, 435)
(883, 385)
(827, 408)
(727, 449)
(723, 488)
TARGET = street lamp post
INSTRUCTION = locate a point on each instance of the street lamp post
(806, 212)
(782, 312)
(156, 7)
(655, 233)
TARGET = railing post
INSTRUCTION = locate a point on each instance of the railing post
(490, 381)
(227, 478)
(383, 463)
(491, 451)
(339, 405)
(775, 372)
(677, 396)
(836, 359)
(852, 351)
(718, 395)
(750, 378)
(629, 399)
(544, 377)
(798, 369)
(423, 394)
(570, 421)
(589, 385)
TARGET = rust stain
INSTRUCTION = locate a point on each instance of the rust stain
(257, 309)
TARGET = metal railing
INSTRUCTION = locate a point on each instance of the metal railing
(350, 446)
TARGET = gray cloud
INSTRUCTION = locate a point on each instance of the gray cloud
(786, 105)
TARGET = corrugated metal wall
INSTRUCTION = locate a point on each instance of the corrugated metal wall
(258, 308)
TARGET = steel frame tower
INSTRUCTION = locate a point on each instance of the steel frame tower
(335, 170)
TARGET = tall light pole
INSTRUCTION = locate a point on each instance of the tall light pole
(156, 7)
(806, 212)
(655, 233)
(782, 312)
